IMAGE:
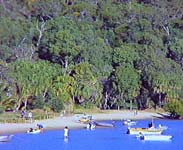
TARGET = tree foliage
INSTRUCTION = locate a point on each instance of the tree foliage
(106, 53)
(175, 108)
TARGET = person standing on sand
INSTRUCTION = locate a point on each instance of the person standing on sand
(30, 116)
(66, 132)
(40, 127)
(135, 112)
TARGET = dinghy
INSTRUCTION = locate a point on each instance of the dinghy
(129, 122)
(156, 137)
(34, 131)
(104, 124)
(136, 131)
(5, 138)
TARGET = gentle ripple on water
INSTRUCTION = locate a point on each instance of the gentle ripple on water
(99, 139)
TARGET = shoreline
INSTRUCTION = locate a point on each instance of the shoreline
(73, 123)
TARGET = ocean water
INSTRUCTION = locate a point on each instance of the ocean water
(98, 139)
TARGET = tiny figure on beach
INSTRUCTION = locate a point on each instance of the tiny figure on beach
(66, 132)
(88, 126)
(135, 112)
(40, 127)
(30, 116)
(24, 114)
(91, 125)
(30, 130)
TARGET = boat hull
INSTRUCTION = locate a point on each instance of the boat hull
(104, 124)
(146, 131)
(5, 138)
(34, 132)
(85, 120)
(129, 123)
(156, 137)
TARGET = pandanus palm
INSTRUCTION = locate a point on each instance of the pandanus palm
(33, 79)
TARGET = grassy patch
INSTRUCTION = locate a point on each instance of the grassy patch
(81, 110)
(15, 117)
(9, 117)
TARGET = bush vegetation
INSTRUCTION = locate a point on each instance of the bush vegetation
(104, 54)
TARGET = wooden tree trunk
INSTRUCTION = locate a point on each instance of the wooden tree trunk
(106, 100)
(130, 104)
(25, 103)
(19, 104)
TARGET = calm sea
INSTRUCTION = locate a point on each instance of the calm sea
(98, 139)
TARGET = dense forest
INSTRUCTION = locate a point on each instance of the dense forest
(106, 54)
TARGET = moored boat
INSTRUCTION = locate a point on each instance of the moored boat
(162, 127)
(34, 131)
(136, 131)
(5, 138)
(104, 124)
(129, 122)
(156, 137)
(85, 119)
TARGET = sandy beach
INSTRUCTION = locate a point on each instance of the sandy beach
(72, 121)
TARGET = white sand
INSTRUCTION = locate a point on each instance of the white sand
(72, 121)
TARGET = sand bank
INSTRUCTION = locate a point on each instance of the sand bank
(72, 121)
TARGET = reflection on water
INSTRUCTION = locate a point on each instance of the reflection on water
(66, 140)
(98, 139)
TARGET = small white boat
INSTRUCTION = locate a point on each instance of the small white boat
(5, 138)
(104, 124)
(85, 119)
(91, 126)
(162, 127)
(34, 131)
(129, 122)
(156, 137)
(144, 131)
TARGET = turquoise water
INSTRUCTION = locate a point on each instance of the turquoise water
(98, 139)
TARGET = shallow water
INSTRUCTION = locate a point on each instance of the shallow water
(98, 139)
